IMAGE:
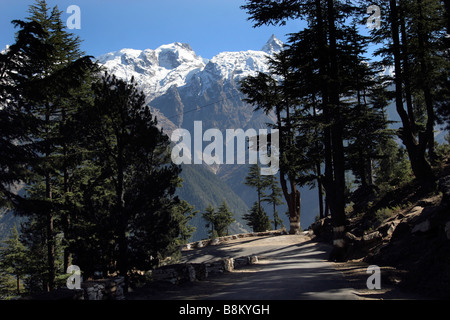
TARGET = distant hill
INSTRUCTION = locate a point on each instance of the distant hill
(7, 222)
(200, 188)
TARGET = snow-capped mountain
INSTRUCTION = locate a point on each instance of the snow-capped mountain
(274, 45)
(182, 87)
(155, 70)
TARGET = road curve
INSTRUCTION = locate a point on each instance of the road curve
(289, 267)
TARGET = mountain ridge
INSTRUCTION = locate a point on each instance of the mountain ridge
(182, 88)
(150, 66)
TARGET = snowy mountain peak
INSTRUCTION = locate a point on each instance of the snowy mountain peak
(173, 55)
(177, 82)
(169, 56)
(155, 70)
(274, 45)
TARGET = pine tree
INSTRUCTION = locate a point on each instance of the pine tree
(268, 94)
(18, 64)
(391, 168)
(54, 101)
(183, 213)
(366, 123)
(273, 197)
(23, 102)
(223, 219)
(209, 216)
(13, 258)
(159, 233)
(257, 218)
(135, 180)
(256, 180)
(71, 77)
(305, 86)
(49, 99)
(413, 42)
(326, 36)
(219, 220)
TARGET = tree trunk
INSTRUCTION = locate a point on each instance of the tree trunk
(369, 170)
(275, 217)
(122, 218)
(50, 238)
(293, 203)
(328, 181)
(49, 218)
(294, 219)
(426, 86)
(416, 151)
(259, 193)
(338, 216)
(66, 219)
(18, 284)
(408, 94)
(318, 169)
(292, 198)
(320, 190)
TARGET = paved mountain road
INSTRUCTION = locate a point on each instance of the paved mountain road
(290, 267)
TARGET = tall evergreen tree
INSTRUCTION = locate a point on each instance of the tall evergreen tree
(306, 84)
(209, 217)
(324, 61)
(224, 218)
(256, 180)
(51, 99)
(18, 64)
(391, 168)
(134, 173)
(268, 94)
(43, 92)
(413, 42)
(218, 220)
(273, 197)
(72, 73)
(366, 124)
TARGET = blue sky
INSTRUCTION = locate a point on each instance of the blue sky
(209, 26)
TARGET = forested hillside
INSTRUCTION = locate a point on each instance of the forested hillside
(202, 188)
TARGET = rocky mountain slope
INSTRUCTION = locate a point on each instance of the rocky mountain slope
(406, 229)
